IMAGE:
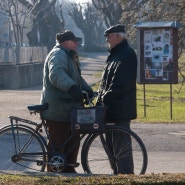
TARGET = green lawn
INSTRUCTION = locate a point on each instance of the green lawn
(158, 106)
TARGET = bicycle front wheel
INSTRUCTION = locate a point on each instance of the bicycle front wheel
(21, 150)
(113, 152)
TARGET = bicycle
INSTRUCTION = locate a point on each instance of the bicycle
(23, 147)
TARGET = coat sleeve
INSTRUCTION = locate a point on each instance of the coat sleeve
(58, 75)
(85, 86)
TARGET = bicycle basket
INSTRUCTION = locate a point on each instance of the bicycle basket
(88, 120)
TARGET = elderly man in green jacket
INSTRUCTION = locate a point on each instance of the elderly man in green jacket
(62, 90)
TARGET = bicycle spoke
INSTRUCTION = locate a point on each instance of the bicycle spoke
(116, 151)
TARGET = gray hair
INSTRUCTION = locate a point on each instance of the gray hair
(122, 34)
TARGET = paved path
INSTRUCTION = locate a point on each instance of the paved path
(165, 143)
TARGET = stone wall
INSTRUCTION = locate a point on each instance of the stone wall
(27, 55)
(27, 72)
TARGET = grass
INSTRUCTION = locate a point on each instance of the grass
(153, 179)
(159, 105)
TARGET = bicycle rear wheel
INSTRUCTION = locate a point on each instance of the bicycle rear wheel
(96, 157)
(21, 150)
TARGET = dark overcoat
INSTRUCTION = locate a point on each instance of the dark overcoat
(118, 85)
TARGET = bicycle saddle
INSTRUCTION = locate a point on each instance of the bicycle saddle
(37, 108)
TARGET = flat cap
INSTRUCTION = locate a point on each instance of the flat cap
(67, 35)
(114, 29)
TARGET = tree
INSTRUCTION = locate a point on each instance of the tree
(111, 10)
(91, 25)
(158, 10)
(38, 14)
(46, 23)
(18, 15)
(155, 10)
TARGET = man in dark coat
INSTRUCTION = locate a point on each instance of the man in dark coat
(118, 89)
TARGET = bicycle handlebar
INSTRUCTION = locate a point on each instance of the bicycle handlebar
(87, 100)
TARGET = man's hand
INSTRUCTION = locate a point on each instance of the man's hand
(76, 93)
(90, 93)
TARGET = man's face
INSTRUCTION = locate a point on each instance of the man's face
(70, 44)
(113, 39)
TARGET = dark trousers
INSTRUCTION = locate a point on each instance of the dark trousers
(58, 133)
(120, 146)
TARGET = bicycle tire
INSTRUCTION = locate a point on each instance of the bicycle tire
(22, 151)
(95, 160)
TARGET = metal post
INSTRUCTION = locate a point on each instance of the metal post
(144, 98)
(171, 101)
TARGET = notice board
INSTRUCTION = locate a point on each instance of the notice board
(157, 51)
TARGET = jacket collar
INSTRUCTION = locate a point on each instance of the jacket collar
(61, 47)
(118, 46)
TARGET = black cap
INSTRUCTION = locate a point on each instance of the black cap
(67, 35)
(115, 29)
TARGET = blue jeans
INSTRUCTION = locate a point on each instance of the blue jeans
(120, 146)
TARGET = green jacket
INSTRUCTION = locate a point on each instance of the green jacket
(60, 73)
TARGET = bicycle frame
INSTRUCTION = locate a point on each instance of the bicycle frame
(38, 127)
